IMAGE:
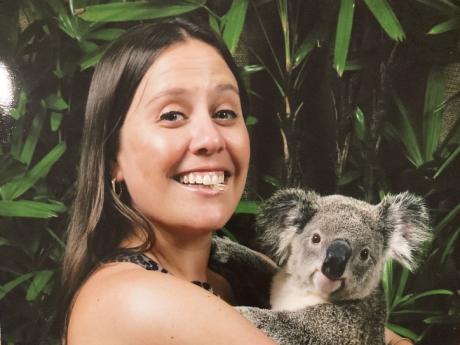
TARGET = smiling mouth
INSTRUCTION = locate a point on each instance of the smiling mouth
(211, 179)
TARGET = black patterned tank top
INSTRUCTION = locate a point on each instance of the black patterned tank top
(143, 260)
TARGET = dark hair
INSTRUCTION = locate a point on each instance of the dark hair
(100, 220)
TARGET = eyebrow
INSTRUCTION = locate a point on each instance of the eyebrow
(177, 91)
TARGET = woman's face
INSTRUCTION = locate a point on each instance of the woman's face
(185, 129)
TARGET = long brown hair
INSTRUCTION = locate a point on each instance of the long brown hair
(100, 219)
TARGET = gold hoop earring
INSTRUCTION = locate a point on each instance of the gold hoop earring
(114, 187)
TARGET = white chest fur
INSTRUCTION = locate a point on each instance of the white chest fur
(286, 294)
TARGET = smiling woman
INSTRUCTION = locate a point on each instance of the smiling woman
(195, 132)
(164, 161)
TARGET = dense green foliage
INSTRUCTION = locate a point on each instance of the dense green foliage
(358, 98)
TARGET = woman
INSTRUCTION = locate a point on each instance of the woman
(164, 160)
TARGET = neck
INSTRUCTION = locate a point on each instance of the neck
(184, 256)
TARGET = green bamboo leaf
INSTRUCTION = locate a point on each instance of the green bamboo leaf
(17, 138)
(30, 209)
(441, 6)
(406, 133)
(4, 289)
(403, 331)
(58, 7)
(16, 188)
(443, 319)
(446, 220)
(10, 168)
(343, 34)
(449, 246)
(309, 43)
(92, 58)
(360, 126)
(214, 24)
(401, 285)
(108, 34)
(4, 241)
(32, 139)
(412, 312)
(384, 14)
(88, 47)
(354, 65)
(139, 10)
(434, 95)
(20, 109)
(56, 102)
(247, 207)
(387, 280)
(55, 121)
(283, 12)
(233, 22)
(56, 237)
(447, 162)
(229, 234)
(251, 69)
(272, 181)
(448, 25)
(38, 284)
(428, 293)
(251, 121)
(74, 27)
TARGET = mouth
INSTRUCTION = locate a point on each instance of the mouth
(204, 179)
(327, 286)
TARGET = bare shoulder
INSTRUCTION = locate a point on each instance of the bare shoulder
(125, 304)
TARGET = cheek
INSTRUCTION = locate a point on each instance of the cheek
(145, 154)
(240, 146)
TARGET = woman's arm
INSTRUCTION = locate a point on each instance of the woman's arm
(123, 304)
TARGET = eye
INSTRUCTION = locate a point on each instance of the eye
(316, 238)
(225, 114)
(364, 254)
(172, 116)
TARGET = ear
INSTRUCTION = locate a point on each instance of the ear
(282, 217)
(406, 226)
(116, 171)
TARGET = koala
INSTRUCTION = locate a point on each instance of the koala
(331, 251)
(333, 248)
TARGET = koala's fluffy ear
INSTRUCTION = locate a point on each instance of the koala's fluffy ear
(406, 226)
(282, 216)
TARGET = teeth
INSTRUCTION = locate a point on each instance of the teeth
(207, 179)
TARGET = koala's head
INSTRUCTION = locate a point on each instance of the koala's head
(336, 246)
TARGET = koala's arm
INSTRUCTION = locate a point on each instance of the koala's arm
(347, 323)
(248, 272)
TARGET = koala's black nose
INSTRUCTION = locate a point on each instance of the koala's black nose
(337, 256)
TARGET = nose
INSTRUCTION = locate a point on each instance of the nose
(337, 255)
(207, 137)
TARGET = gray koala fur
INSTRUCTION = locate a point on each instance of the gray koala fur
(353, 313)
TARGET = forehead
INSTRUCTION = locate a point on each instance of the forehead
(345, 217)
(188, 64)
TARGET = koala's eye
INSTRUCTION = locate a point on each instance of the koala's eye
(316, 238)
(364, 254)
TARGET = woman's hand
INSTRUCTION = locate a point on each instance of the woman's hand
(392, 338)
